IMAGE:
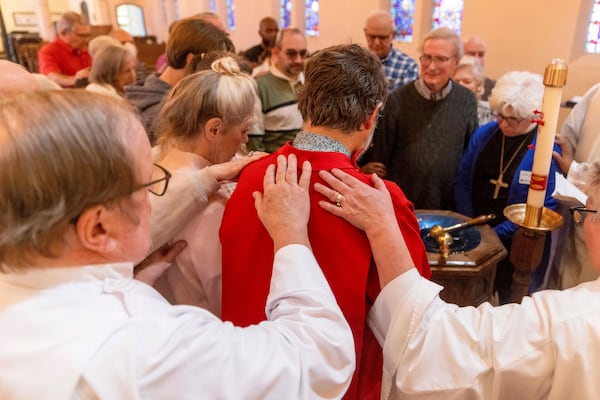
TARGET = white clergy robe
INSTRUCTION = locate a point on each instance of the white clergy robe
(94, 332)
(544, 348)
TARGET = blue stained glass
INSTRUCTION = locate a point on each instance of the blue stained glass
(230, 15)
(592, 42)
(311, 17)
(213, 6)
(403, 12)
(285, 11)
(448, 13)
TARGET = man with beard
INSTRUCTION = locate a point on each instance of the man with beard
(345, 88)
(279, 87)
(268, 31)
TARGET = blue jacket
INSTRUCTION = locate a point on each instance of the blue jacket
(517, 192)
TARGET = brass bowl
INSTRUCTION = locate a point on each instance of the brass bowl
(550, 219)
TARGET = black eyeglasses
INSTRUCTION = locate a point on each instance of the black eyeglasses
(160, 181)
(426, 59)
(372, 38)
(157, 186)
(511, 121)
(579, 214)
(292, 54)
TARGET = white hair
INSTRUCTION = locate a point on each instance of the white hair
(518, 93)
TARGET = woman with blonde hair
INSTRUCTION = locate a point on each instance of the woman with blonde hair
(204, 121)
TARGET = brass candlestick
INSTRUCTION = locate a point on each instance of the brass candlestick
(527, 248)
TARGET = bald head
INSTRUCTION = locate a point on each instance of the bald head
(15, 79)
(476, 47)
(379, 32)
(121, 35)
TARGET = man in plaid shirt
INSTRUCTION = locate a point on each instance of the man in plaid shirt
(399, 68)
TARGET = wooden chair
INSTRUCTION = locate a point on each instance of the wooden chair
(27, 55)
(23, 47)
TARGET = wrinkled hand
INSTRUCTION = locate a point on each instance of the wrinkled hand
(566, 159)
(157, 263)
(366, 207)
(230, 170)
(374, 167)
(284, 206)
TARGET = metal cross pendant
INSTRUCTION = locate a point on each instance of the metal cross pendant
(498, 183)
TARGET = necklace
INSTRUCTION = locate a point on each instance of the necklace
(498, 182)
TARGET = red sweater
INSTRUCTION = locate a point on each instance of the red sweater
(343, 252)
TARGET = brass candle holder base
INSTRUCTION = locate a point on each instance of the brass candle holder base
(527, 248)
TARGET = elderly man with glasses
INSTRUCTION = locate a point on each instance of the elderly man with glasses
(398, 67)
(76, 325)
(277, 90)
(66, 59)
(425, 127)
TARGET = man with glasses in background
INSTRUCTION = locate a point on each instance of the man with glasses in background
(425, 127)
(277, 90)
(398, 67)
(66, 59)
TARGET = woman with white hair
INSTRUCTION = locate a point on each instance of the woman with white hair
(495, 169)
(469, 74)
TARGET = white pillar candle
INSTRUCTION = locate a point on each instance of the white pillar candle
(554, 81)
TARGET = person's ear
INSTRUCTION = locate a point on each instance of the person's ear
(188, 58)
(212, 128)
(95, 229)
(372, 119)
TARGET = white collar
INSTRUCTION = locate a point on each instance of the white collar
(40, 278)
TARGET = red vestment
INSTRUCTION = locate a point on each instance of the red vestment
(342, 251)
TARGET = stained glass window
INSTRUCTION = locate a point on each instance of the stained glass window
(448, 13)
(592, 43)
(403, 12)
(311, 17)
(213, 6)
(285, 11)
(230, 15)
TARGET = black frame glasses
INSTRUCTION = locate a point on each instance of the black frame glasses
(579, 214)
(511, 121)
(427, 59)
(158, 186)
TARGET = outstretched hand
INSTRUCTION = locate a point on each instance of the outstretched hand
(230, 170)
(369, 208)
(284, 206)
(366, 207)
(158, 262)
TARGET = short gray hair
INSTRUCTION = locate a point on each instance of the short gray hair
(69, 155)
(446, 34)
(67, 22)
(286, 31)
